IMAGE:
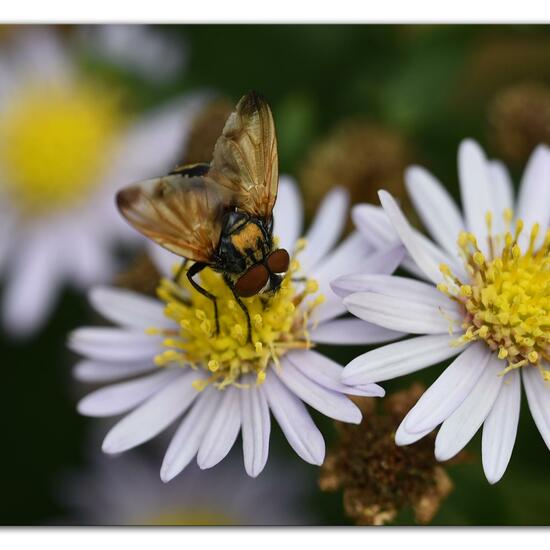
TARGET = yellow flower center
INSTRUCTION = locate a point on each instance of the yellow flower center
(507, 300)
(278, 325)
(54, 144)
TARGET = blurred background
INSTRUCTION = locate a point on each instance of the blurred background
(353, 106)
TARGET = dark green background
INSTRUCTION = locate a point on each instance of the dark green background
(418, 80)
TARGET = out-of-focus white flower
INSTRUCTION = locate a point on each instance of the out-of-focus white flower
(148, 52)
(66, 144)
(222, 382)
(486, 299)
(126, 490)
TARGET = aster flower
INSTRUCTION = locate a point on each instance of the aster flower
(126, 490)
(377, 478)
(483, 298)
(62, 138)
(224, 383)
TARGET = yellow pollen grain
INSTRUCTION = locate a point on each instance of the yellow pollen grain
(506, 302)
(55, 141)
(279, 323)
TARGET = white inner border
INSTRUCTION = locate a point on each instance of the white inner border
(275, 11)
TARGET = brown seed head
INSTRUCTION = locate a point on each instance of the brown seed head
(378, 478)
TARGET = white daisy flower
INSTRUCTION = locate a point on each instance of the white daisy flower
(62, 138)
(484, 298)
(224, 383)
(141, 49)
(126, 490)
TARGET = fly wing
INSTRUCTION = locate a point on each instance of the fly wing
(181, 213)
(245, 158)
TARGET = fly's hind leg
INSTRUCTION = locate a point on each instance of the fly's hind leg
(193, 270)
(243, 307)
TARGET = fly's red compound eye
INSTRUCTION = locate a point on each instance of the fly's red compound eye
(278, 260)
(252, 281)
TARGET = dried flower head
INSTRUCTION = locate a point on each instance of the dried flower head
(359, 156)
(205, 130)
(519, 117)
(141, 276)
(377, 477)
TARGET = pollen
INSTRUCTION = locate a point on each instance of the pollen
(279, 322)
(506, 301)
(55, 141)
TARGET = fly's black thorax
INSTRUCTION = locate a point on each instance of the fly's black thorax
(244, 242)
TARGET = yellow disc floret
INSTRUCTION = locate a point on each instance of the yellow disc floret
(54, 143)
(279, 323)
(507, 299)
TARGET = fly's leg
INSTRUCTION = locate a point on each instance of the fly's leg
(176, 279)
(193, 270)
(181, 269)
(243, 307)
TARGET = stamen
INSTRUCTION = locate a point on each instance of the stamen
(506, 302)
(279, 323)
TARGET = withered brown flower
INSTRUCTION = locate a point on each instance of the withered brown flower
(141, 276)
(519, 118)
(359, 156)
(205, 130)
(378, 478)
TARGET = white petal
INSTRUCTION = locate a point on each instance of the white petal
(398, 287)
(39, 54)
(500, 428)
(89, 262)
(139, 48)
(129, 309)
(154, 144)
(222, 432)
(121, 397)
(462, 425)
(502, 192)
(256, 429)
(374, 221)
(329, 402)
(424, 260)
(153, 416)
(94, 371)
(399, 359)
(446, 394)
(288, 214)
(352, 332)
(350, 255)
(376, 228)
(403, 437)
(404, 314)
(538, 397)
(475, 189)
(33, 284)
(327, 373)
(534, 193)
(188, 437)
(7, 229)
(114, 344)
(300, 431)
(380, 262)
(164, 260)
(436, 208)
(326, 229)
